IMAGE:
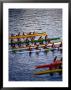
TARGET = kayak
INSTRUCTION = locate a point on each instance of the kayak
(33, 41)
(28, 36)
(48, 71)
(57, 63)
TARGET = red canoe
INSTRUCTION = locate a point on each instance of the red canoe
(55, 64)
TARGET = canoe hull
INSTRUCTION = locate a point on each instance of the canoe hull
(48, 72)
(28, 36)
(48, 65)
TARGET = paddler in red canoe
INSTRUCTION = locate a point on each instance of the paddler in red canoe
(59, 66)
(53, 67)
(55, 61)
(60, 46)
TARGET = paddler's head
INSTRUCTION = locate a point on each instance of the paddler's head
(30, 32)
(19, 33)
(61, 59)
(40, 36)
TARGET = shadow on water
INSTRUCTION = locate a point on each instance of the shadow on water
(46, 52)
(30, 53)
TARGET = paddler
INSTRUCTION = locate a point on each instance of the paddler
(60, 67)
(12, 42)
(47, 40)
(61, 59)
(29, 48)
(46, 37)
(37, 47)
(23, 33)
(55, 59)
(32, 39)
(58, 61)
(19, 40)
(53, 67)
(34, 34)
(60, 45)
(29, 33)
(53, 46)
(27, 41)
(40, 40)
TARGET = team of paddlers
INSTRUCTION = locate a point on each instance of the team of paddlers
(55, 66)
(47, 41)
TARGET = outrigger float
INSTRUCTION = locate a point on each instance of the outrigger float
(48, 72)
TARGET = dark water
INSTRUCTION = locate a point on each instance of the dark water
(22, 64)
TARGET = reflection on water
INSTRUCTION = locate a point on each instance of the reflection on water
(22, 63)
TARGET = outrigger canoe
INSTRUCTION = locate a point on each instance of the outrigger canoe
(28, 36)
(48, 72)
(33, 41)
(57, 63)
(34, 46)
